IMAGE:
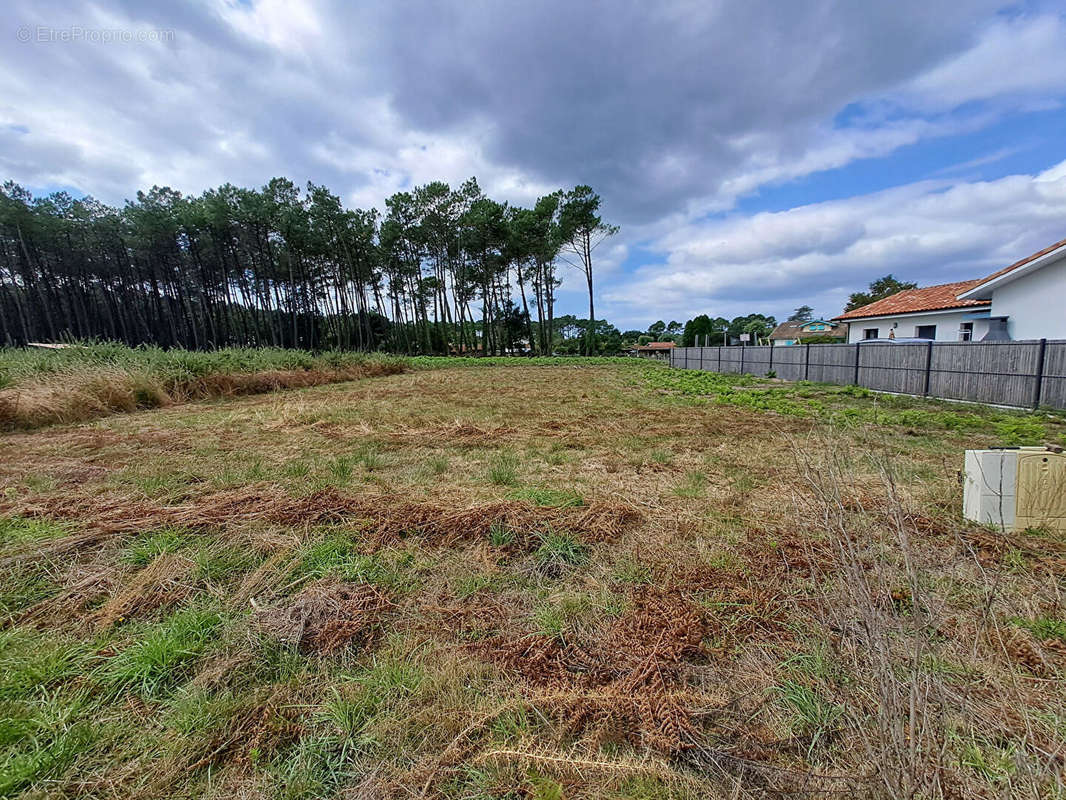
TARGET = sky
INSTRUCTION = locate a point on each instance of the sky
(757, 156)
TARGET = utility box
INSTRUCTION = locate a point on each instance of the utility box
(1017, 488)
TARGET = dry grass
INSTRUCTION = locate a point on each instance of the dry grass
(88, 394)
(327, 593)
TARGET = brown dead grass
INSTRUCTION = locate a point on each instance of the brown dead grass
(784, 571)
(84, 396)
(327, 617)
(626, 685)
(383, 517)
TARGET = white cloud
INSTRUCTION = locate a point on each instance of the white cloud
(1019, 59)
(929, 232)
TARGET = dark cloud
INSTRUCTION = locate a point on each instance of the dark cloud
(670, 109)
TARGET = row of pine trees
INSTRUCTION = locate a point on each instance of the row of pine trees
(443, 270)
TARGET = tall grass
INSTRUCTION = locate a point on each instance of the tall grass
(83, 381)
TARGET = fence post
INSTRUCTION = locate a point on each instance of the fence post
(771, 367)
(858, 351)
(807, 362)
(1040, 353)
(719, 359)
(701, 359)
(928, 367)
(742, 359)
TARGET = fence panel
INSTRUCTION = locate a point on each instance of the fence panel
(894, 367)
(1053, 385)
(832, 363)
(732, 360)
(986, 372)
(1002, 373)
(757, 359)
(790, 362)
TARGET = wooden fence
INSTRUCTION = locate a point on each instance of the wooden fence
(1023, 374)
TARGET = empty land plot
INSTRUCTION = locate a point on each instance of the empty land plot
(507, 581)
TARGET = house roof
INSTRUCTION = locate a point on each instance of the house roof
(656, 346)
(1010, 272)
(790, 330)
(932, 298)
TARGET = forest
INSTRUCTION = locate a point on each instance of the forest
(442, 271)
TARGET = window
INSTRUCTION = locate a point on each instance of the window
(925, 332)
(870, 333)
(966, 332)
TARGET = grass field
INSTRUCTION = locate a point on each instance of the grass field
(525, 580)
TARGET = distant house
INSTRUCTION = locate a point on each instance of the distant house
(788, 333)
(1025, 300)
(660, 350)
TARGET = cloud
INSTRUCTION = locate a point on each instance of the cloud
(1015, 60)
(671, 110)
(930, 232)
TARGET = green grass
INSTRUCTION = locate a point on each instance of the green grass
(503, 469)
(549, 498)
(149, 546)
(847, 405)
(1044, 627)
(337, 556)
(559, 548)
(812, 716)
(200, 696)
(500, 535)
(160, 655)
(21, 530)
(18, 365)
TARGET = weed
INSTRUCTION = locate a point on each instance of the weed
(214, 563)
(1044, 627)
(436, 465)
(661, 457)
(336, 556)
(147, 547)
(341, 469)
(503, 469)
(160, 657)
(371, 459)
(694, 486)
(32, 662)
(472, 584)
(22, 587)
(21, 530)
(629, 570)
(550, 498)
(500, 535)
(559, 548)
(296, 469)
(812, 716)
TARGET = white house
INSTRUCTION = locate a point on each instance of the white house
(935, 312)
(1026, 300)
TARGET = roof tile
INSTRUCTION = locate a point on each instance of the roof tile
(909, 301)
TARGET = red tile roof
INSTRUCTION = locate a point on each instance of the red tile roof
(1016, 264)
(909, 301)
(657, 346)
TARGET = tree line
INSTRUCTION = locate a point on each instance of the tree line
(442, 270)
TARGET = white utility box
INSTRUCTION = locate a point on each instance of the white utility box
(1014, 489)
